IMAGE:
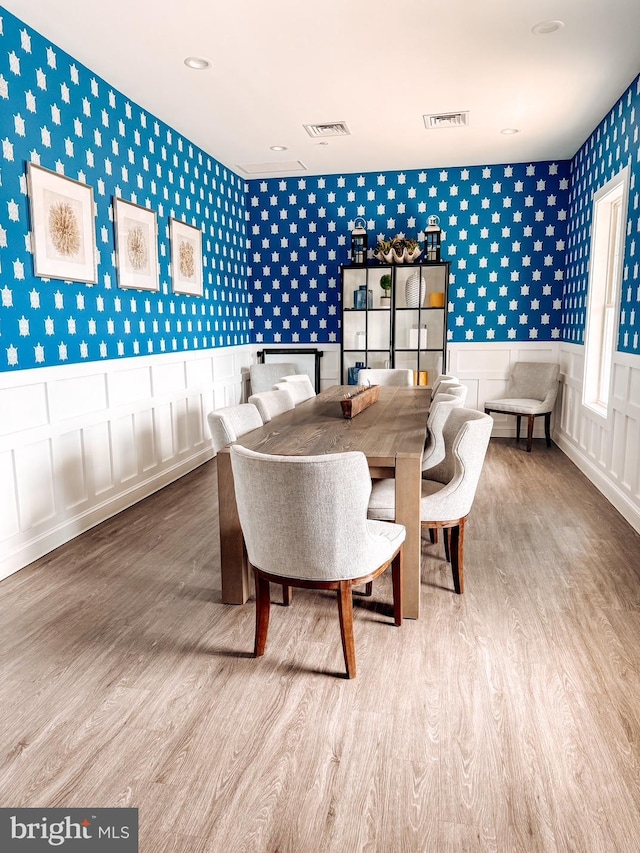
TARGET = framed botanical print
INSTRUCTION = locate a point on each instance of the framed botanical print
(136, 231)
(186, 259)
(62, 226)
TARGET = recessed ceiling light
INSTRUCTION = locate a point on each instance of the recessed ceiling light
(278, 148)
(509, 131)
(198, 63)
(546, 27)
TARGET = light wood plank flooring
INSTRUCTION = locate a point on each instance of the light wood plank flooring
(507, 719)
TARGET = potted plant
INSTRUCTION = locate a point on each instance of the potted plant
(385, 284)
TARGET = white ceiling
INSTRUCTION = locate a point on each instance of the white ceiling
(379, 66)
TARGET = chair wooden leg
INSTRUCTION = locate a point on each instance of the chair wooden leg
(263, 605)
(397, 569)
(433, 535)
(447, 544)
(345, 611)
(531, 421)
(287, 593)
(368, 590)
(547, 428)
(457, 556)
(518, 419)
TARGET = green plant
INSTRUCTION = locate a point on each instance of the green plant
(385, 283)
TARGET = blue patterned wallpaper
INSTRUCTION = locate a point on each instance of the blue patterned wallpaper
(56, 113)
(516, 234)
(613, 145)
(504, 232)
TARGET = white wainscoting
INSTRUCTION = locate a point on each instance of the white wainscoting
(80, 443)
(608, 453)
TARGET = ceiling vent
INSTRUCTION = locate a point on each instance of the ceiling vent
(330, 128)
(438, 120)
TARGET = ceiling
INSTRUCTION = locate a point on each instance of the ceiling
(378, 66)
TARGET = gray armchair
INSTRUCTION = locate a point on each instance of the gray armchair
(531, 392)
(304, 522)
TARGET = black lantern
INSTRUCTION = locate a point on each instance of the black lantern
(359, 243)
(432, 235)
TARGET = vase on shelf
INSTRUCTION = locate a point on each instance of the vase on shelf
(415, 290)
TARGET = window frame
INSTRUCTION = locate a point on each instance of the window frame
(606, 269)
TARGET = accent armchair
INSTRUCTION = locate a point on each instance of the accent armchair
(531, 392)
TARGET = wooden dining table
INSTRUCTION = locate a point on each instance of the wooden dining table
(391, 433)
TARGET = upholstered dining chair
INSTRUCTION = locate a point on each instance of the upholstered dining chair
(230, 422)
(442, 377)
(434, 449)
(457, 389)
(531, 393)
(304, 523)
(299, 385)
(272, 403)
(264, 376)
(386, 376)
(448, 494)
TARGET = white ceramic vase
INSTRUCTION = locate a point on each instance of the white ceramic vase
(415, 290)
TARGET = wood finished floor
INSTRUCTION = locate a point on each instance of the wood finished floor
(507, 719)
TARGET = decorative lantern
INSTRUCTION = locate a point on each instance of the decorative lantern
(432, 235)
(359, 243)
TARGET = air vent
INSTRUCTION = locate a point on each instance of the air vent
(330, 128)
(266, 168)
(438, 120)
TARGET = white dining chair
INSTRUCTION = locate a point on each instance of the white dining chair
(270, 404)
(442, 377)
(304, 523)
(449, 491)
(457, 389)
(264, 376)
(230, 422)
(434, 448)
(385, 376)
(299, 385)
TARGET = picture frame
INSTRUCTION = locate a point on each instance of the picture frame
(136, 233)
(63, 242)
(186, 259)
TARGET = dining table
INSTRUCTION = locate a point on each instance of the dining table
(391, 433)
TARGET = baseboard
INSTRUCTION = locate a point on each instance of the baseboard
(610, 491)
(64, 532)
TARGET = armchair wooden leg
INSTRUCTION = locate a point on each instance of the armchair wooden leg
(531, 421)
(518, 419)
(263, 606)
(447, 544)
(547, 428)
(287, 593)
(345, 611)
(457, 556)
(433, 535)
(397, 569)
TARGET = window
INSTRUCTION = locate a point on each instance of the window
(605, 276)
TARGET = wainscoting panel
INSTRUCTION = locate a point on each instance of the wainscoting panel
(606, 450)
(79, 443)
